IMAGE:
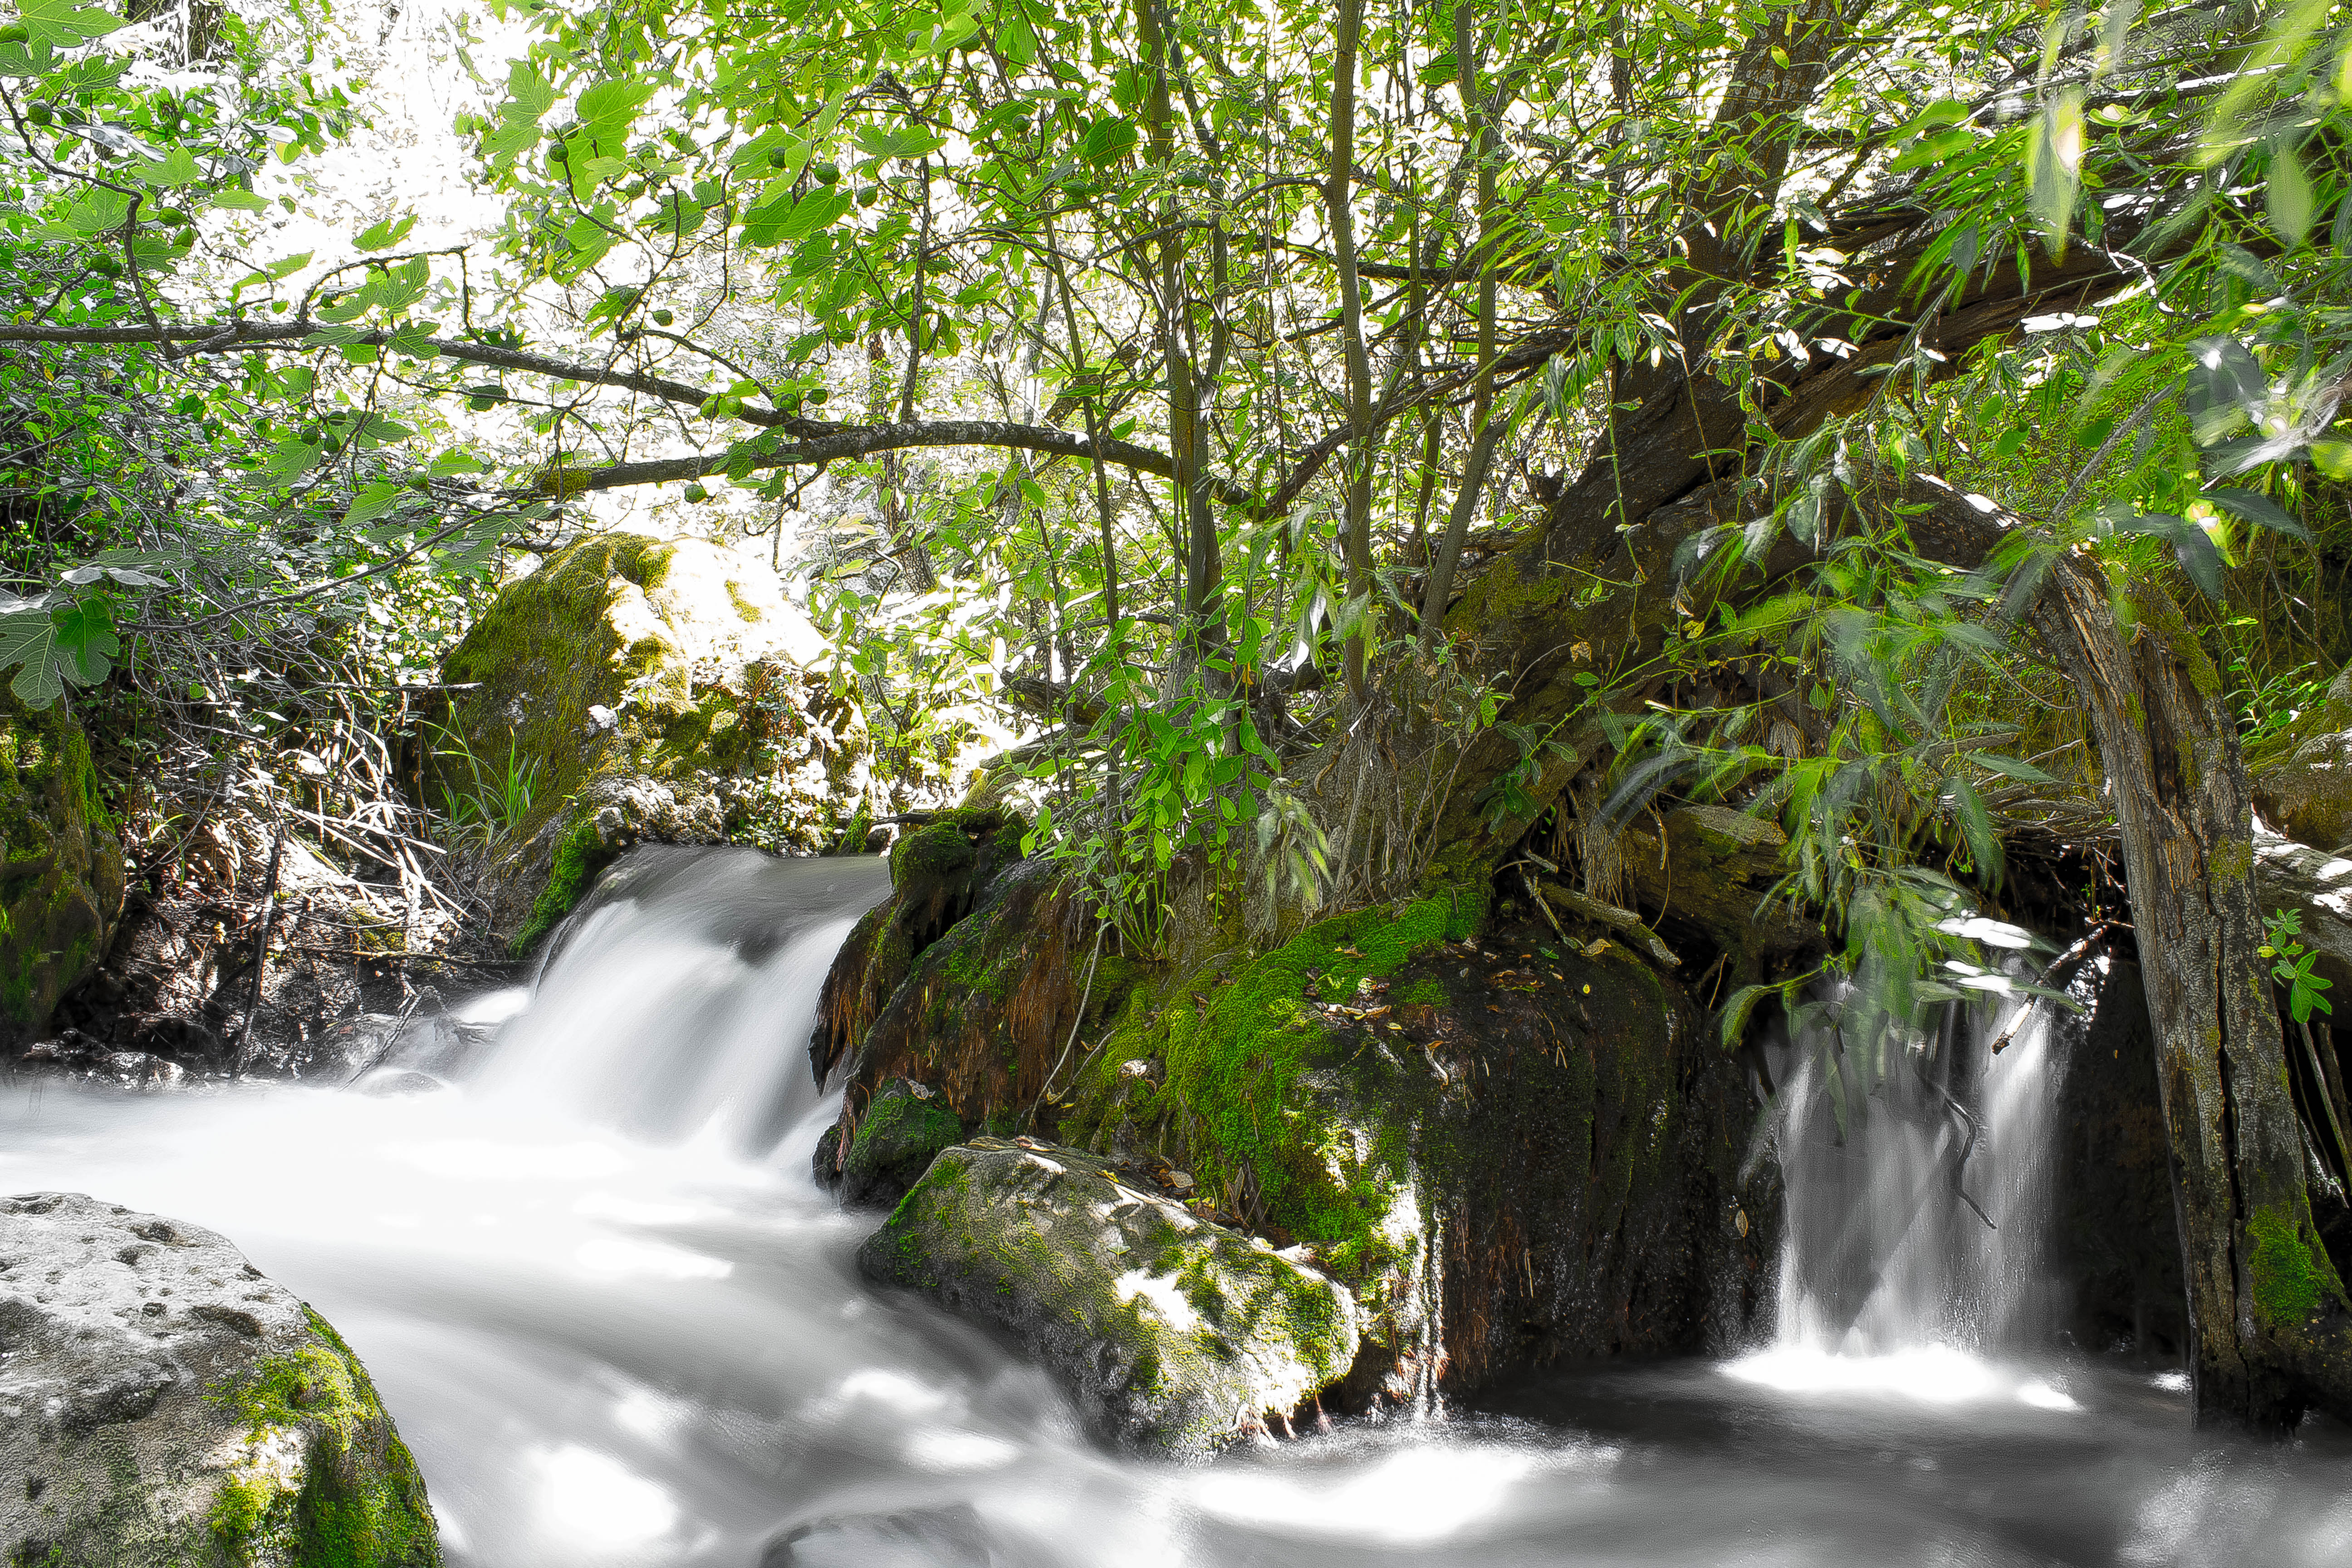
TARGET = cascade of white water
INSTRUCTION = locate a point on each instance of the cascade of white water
(679, 1005)
(1918, 1208)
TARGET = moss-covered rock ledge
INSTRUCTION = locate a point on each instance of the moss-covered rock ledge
(1178, 1336)
(164, 1405)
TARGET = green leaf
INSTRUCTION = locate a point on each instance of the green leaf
(2189, 544)
(88, 215)
(1976, 825)
(176, 167)
(29, 639)
(373, 501)
(1731, 1024)
(2009, 767)
(530, 95)
(2053, 164)
(2332, 459)
(783, 220)
(607, 110)
(86, 642)
(1016, 40)
(62, 25)
(1932, 148)
(2288, 193)
(383, 236)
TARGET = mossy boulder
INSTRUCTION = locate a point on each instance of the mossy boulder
(939, 873)
(60, 866)
(2302, 777)
(1508, 1146)
(904, 1129)
(161, 1402)
(649, 690)
(1176, 1335)
(969, 980)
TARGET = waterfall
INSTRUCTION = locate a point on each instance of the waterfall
(1918, 1172)
(677, 1005)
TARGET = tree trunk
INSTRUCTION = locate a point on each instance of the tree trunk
(2270, 1326)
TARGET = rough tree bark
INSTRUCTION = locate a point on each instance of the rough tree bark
(2270, 1325)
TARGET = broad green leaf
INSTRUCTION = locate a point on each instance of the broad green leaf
(529, 94)
(91, 213)
(373, 501)
(607, 110)
(29, 639)
(1016, 40)
(62, 25)
(86, 641)
(176, 167)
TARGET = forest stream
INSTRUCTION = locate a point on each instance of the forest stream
(617, 1323)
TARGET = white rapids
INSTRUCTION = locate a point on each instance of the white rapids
(619, 1325)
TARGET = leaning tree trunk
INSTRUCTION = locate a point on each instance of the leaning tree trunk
(2270, 1328)
(2266, 1311)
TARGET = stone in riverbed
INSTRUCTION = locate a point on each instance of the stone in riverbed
(1178, 1336)
(895, 1141)
(162, 1403)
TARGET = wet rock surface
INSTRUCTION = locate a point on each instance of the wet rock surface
(162, 1402)
(1178, 1336)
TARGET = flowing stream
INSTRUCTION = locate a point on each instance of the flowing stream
(618, 1325)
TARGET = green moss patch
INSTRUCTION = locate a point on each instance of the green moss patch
(61, 876)
(1234, 1072)
(899, 1130)
(578, 857)
(2291, 1274)
(360, 1501)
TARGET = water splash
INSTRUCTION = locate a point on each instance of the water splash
(1918, 1175)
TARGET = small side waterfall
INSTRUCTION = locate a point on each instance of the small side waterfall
(677, 1005)
(1918, 1171)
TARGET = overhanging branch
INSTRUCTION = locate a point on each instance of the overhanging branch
(815, 440)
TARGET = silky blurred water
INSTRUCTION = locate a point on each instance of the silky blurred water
(618, 1325)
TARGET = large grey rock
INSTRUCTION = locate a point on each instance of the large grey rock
(1177, 1335)
(162, 1403)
